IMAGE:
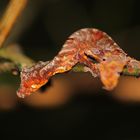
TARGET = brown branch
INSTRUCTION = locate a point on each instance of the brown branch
(9, 18)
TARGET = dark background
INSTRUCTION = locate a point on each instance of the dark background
(46, 26)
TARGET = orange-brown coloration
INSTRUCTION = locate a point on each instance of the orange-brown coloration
(84, 46)
(110, 73)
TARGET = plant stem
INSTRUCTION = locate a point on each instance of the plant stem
(126, 71)
(134, 72)
(18, 59)
(9, 18)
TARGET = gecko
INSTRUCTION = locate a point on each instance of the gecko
(83, 46)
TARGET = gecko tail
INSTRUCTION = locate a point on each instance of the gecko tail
(110, 73)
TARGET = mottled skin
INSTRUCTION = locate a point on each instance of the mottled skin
(80, 47)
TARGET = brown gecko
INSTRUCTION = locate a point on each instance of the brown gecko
(81, 47)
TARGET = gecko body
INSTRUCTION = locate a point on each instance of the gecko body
(83, 46)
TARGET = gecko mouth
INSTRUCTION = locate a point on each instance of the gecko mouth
(23, 93)
(20, 94)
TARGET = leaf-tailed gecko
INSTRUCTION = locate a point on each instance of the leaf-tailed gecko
(80, 47)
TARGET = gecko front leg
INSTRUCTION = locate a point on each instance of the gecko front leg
(90, 66)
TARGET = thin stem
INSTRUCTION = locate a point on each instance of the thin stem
(9, 18)
(131, 72)
(126, 71)
(15, 55)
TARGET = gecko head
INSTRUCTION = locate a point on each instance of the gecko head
(31, 81)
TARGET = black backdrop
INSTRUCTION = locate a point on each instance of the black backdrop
(100, 116)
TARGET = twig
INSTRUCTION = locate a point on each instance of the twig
(126, 71)
(131, 72)
(20, 60)
(13, 57)
(9, 18)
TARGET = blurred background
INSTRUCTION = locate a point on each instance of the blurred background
(72, 104)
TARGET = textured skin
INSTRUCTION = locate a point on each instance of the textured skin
(80, 47)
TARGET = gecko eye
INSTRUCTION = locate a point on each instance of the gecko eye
(91, 58)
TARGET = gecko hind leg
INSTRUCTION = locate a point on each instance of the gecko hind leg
(109, 71)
